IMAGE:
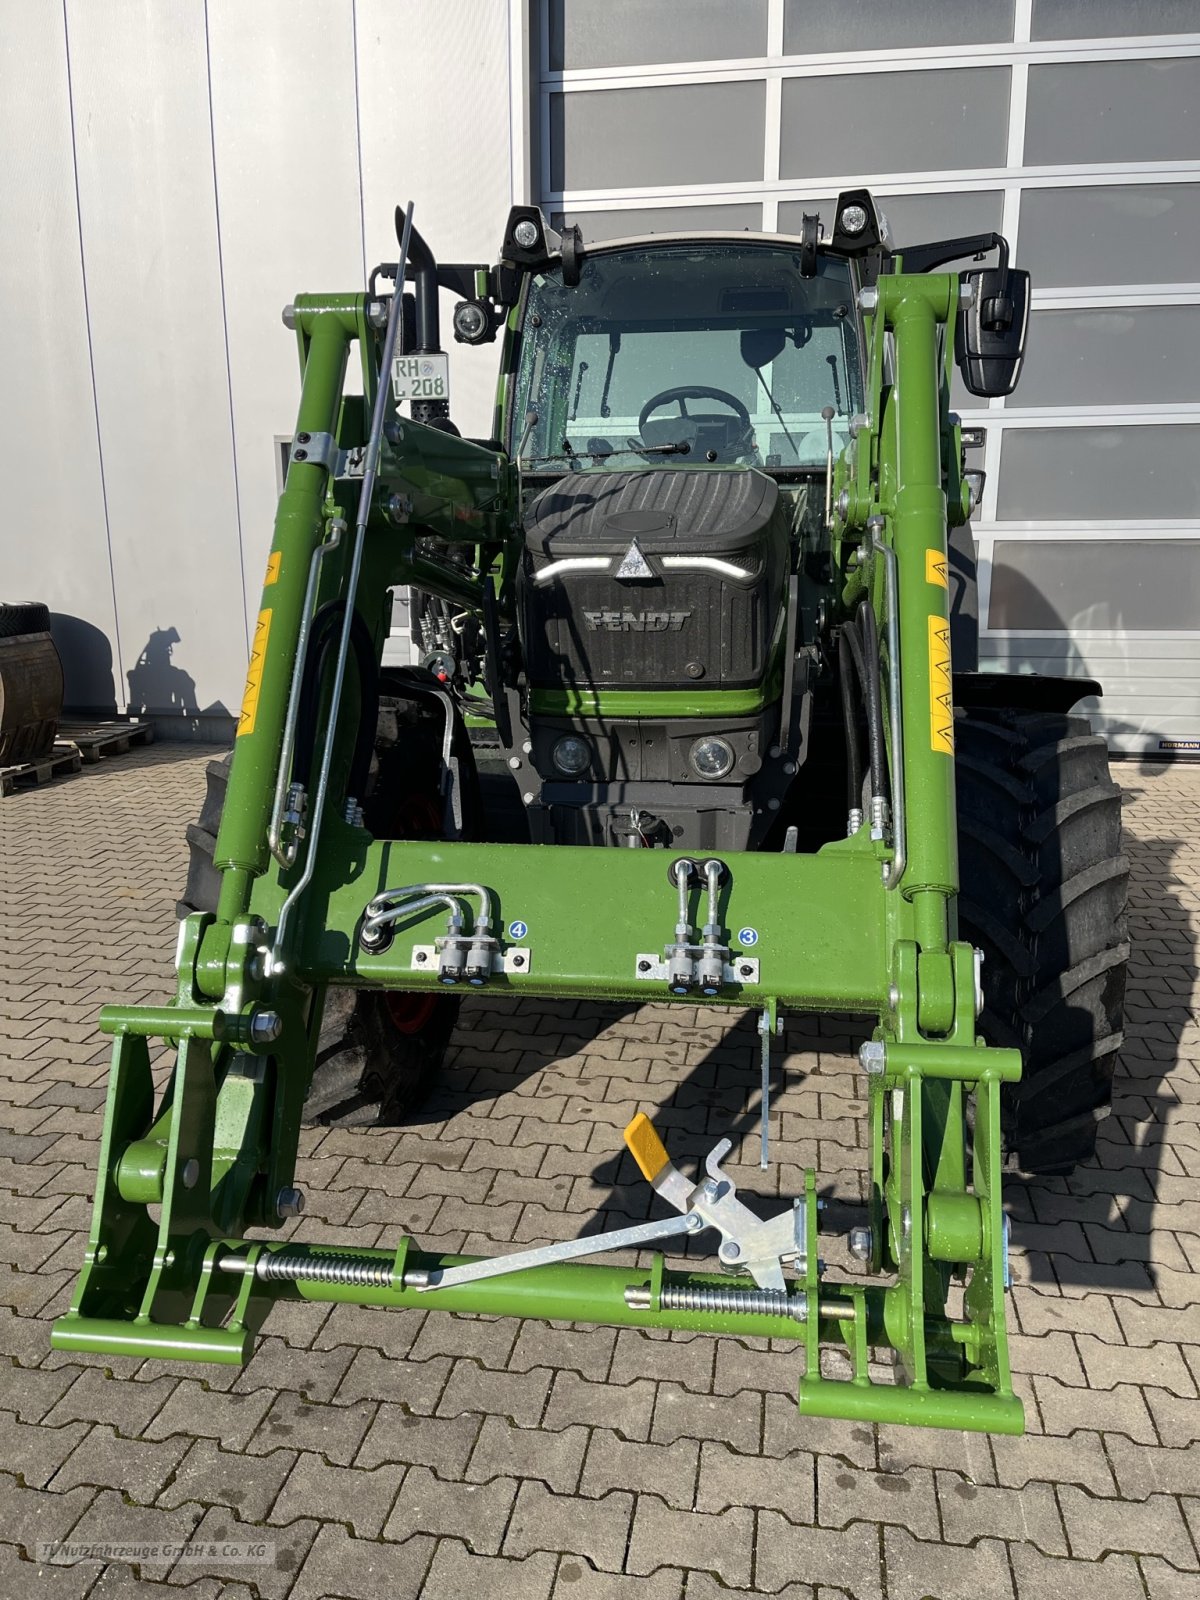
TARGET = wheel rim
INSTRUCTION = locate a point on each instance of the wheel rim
(409, 1013)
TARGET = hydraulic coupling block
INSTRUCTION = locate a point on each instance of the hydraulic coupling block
(688, 965)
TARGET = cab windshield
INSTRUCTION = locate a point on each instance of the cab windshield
(687, 354)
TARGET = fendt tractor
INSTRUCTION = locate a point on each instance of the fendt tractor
(685, 728)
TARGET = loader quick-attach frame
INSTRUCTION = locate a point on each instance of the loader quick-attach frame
(864, 925)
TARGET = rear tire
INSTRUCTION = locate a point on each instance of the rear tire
(1043, 895)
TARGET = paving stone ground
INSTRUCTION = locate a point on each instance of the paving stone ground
(399, 1454)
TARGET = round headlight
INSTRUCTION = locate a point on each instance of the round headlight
(525, 234)
(853, 219)
(712, 758)
(470, 321)
(571, 755)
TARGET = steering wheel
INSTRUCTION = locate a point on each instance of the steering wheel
(693, 391)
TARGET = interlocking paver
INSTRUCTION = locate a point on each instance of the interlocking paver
(137, 1467)
(597, 1529)
(519, 1395)
(849, 1557)
(917, 1569)
(666, 1470)
(362, 1569)
(209, 1475)
(476, 1513)
(722, 1543)
(414, 1454)
(456, 1572)
(1151, 1527)
(1028, 1515)
(556, 1459)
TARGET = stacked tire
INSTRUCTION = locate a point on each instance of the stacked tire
(1043, 895)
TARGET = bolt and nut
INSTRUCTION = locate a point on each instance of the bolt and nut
(289, 1202)
(872, 1057)
(861, 1242)
(265, 1027)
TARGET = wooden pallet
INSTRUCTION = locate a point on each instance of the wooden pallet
(94, 740)
(63, 759)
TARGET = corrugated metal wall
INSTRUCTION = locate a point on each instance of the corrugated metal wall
(173, 175)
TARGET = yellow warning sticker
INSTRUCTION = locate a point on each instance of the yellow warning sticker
(935, 568)
(254, 673)
(941, 688)
(273, 561)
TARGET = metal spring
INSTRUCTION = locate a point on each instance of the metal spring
(756, 1302)
(294, 1268)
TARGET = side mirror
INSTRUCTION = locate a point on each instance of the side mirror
(989, 343)
(760, 346)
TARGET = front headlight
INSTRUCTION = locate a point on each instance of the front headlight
(571, 755)
(712, 758)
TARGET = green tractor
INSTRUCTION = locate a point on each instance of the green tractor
(686, 618)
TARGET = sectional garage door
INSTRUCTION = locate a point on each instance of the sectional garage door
(1045, 118)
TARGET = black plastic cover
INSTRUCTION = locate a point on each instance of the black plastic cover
(990, 342)
(677, 622)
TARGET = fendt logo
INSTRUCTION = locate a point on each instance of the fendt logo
(636, 621)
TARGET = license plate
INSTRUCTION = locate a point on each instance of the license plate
(421, 377)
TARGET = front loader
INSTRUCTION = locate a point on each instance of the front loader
(693, 601)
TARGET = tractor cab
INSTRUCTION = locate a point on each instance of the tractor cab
(711, 351)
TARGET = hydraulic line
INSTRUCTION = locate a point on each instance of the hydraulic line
(854, 643)
(877, 740)
(850, 730)
(366, 494)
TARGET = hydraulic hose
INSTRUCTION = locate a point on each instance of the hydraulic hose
(870, 693)
(320, 641)
(874, 698)
(849, 724)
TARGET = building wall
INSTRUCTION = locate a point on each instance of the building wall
(1049, 119)
(173, 175)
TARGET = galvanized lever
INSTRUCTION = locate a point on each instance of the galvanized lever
(759, 1247)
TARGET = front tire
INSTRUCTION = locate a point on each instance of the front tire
(1043, 893)
(379, 1052)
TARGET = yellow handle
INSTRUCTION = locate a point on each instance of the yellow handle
(646, 1148)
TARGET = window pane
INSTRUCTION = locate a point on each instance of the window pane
(1087, 112)
(922, 218)
(625, 33)
(1070, 473)
(1129, 233)
(885, 24)
(631, 224)
(1136, 584)
(603, 361)
(1100, 19)
(935, 121)
(635, 138)
(1138, 355)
